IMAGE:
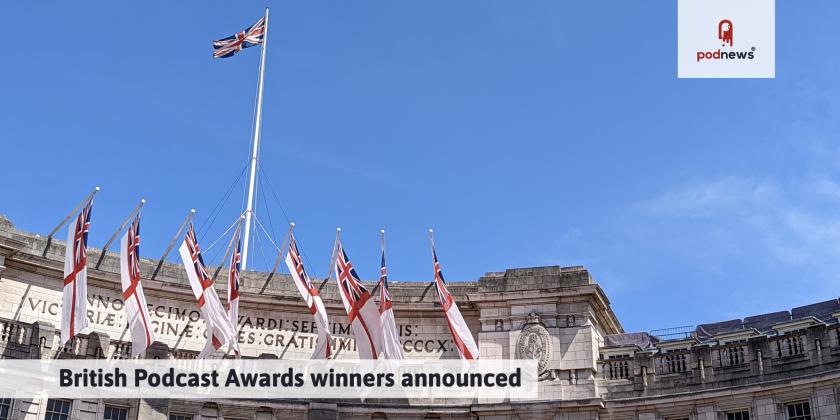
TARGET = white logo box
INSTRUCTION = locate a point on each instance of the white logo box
(701, 53)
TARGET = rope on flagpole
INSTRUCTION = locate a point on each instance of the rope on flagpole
(301, 246)
(332, 259)
(206, 250)
(267, 234)
(217, 209)
(261, 248)
(230, 245)
(187, 220)
(67, 219)
(286, 241)
(119, 230)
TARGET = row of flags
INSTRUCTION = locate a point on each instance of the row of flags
(373, 326)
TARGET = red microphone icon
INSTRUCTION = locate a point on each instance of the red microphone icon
(725, 32)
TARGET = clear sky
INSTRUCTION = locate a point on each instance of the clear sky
(526, 133)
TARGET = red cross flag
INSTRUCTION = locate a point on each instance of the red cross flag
(390, 334)
(74, 303)
(310, 295)
(461, 334)
(142, 333)
(233, 289)
(361, 309)
(219, 329)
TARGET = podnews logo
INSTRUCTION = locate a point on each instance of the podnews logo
(725, 34)
(726, 39)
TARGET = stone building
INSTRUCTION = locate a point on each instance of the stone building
(784, 365)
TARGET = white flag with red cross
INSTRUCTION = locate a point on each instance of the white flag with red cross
(361, 309)
(74, 302)
(139, 324)
(219, 330)
(461, 334)
(310, 295)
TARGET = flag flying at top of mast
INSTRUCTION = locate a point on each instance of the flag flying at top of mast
(74, 304)
(361, 309)
(227, 47)
(257, 34)
(457, 326)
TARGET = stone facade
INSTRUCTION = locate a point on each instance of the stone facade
(558, 316)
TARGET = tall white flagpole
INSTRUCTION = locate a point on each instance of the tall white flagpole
(257, 128)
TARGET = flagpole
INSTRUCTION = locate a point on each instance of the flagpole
(432, 241)
(382, 239)
(227, 251)
(67, 219)
(332, 259)
(119, 230)
(432, 283)
(255, 152)
(186, 222)
(280, 254)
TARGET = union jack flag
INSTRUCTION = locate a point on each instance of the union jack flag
(233, 273)
(350, 283)
(227, 47)
(444, 297)
(384, 294)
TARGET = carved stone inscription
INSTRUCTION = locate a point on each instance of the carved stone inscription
(178, 323)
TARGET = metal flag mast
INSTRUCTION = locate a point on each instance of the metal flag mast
(249, 209)
(119, 230)
(67, 219)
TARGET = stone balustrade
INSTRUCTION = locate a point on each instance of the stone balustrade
(711, 365)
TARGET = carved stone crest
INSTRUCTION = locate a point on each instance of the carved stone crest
(534, 343)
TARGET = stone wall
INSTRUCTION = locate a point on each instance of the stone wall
(558, 316)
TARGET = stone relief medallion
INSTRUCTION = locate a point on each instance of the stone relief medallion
(535, 343)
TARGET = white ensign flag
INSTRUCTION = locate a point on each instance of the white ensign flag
(142, 333)
(219, 329)
(361, 309)
(391, 348)
(310, 295)
(461, 334)
(233, 290)
(74, 302)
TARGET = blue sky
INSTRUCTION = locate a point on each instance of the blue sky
(526, 133)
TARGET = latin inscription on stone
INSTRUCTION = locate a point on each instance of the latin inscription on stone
(178, 324)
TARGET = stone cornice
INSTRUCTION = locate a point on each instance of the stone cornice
(26, 252)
